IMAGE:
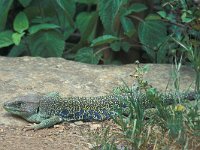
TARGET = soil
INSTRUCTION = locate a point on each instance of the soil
(66, 136)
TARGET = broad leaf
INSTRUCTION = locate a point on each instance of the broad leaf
(105, 39)
(17, 50)
(68, 6)
(87, 1)
(152, 34)
(4, 8)
(153, 17)
(186, 17)
(65, 16)
(128, 26)
(21, 22)
(47, 44)
(25, 3)
(6, 38)
(117, 46)
(163, 14)
(86, 23)
(125, 46)
(44, 26)
(87, 55)
(17, 37)
(135, 8)
(41, 9)
(108, 12)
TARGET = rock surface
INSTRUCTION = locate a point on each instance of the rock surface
(19, 76)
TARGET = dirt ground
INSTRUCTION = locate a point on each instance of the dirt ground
(66, 136)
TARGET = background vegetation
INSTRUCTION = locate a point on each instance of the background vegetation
(101, 31)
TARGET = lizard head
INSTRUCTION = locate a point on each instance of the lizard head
(23, 106)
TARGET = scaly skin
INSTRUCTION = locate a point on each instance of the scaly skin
(48, 110)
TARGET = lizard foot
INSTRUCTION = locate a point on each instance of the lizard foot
(29, 127)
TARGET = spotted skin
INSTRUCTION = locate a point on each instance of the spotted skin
(78, 108)
(50, 109)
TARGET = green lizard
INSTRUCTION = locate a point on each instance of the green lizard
(48, 110)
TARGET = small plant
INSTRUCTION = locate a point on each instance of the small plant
(174, 126)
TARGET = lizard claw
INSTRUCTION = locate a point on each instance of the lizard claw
(29, 127)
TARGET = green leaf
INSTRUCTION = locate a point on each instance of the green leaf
(153, 17)
(135, 8)
(87, 55)
(67, 5)
(128, 26)
(171, 17)
(17, 50)
(187, 18)
(24, 3)
(44, 26)
(33, 12)
(4, 9)
(87, 1)
(152, 34)
(125, 46)
(68, 8)
(163, 14)
(47, 44)
(17, 37)
(65, 15)
(138, 7)
(21, 22)
(116, 46)
(105, 39)
(6, 38)
(86, 23)
(108, 12)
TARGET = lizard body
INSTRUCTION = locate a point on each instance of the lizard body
(48, 110)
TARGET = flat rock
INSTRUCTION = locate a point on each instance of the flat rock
(20, 76)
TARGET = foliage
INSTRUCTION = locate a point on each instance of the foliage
(105, 27)
(37, 31)
(185, 32)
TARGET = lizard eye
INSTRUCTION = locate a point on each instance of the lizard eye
(19, 104)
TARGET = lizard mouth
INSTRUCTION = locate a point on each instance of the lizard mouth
(12, 107)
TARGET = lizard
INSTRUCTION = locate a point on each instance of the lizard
(47, 110)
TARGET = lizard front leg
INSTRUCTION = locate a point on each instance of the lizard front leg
(46, 123)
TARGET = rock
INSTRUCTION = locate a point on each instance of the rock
(20, 76)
